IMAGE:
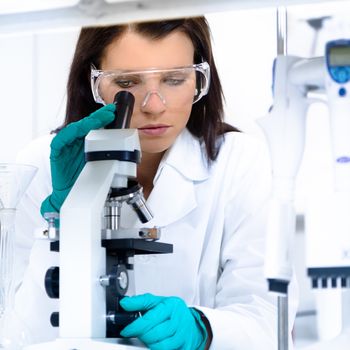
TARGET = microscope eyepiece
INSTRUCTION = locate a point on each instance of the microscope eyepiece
(124, 102)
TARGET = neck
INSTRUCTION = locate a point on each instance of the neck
(147, 169)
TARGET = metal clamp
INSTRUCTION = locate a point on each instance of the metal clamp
(52, 231)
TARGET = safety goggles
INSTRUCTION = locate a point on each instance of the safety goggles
(174, 86)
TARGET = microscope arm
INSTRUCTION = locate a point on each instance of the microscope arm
(82, 305)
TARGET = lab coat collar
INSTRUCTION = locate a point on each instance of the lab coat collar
(173, 195)
(187, 156)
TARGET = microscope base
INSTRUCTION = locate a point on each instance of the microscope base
(88, 344)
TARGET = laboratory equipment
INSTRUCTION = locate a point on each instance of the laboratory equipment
(95, 251)
(284, 128)
(329, 260)
(295, 82)
(14, 180)
(328, 243)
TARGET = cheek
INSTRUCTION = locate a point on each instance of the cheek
(181, 112)
(181, 115)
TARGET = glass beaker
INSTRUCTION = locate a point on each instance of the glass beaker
(14, 180)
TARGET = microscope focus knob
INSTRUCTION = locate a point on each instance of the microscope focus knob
(55, 319)
(117, 280)
(52, 281)
(120, 279)
(122, 319)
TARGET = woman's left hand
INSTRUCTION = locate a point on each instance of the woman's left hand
(167, 323)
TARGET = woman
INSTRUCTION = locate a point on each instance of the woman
(206, 183)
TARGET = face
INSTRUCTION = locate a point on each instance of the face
(159, 114)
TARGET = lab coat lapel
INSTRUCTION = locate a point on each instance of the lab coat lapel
(173, 195)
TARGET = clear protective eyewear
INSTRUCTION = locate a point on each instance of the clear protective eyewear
(174, 86)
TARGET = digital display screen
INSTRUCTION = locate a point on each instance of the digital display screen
(339, 56)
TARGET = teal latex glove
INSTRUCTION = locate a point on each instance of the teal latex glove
(67, 157)
(168, 323)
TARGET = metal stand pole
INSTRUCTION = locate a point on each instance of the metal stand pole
(282, 301)
(282, 31)
(282, 305)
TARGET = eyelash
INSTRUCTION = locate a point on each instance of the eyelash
(175, 82)
(126, 84)
(123, 83)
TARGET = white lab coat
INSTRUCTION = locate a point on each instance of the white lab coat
(214, 217)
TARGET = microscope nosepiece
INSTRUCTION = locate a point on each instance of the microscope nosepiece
(133, 195)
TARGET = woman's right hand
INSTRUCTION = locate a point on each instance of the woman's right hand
(67, 157)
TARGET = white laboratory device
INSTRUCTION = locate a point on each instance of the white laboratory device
(328, 258)
(328, 253)
(284, 128)
(94, 250)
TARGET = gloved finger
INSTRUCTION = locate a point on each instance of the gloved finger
(176, 341)
(81, 128)
(97, 119)
(185, 336)
(149, 320)
(140, 302)
(175, 328)
(160, 332)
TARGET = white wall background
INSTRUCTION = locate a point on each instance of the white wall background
(34, 68)
(32, 95)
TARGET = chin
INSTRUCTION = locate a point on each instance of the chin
(154, 147)
(157, 144)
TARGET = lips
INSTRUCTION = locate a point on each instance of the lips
(154, 129)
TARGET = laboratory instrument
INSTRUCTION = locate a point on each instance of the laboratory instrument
(295, 82)
(329, 260)
(14, 180)
(95, 250)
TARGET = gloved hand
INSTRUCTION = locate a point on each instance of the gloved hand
(168, 323)
(67, 157)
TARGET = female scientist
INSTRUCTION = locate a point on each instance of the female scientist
(206, 183)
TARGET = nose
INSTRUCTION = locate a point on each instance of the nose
(153, 103)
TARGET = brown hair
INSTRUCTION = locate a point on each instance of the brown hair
(206, 119)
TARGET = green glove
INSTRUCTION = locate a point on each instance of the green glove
(67, 157)
(168, 323)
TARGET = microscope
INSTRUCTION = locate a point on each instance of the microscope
(297, 83)
(96, 252)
